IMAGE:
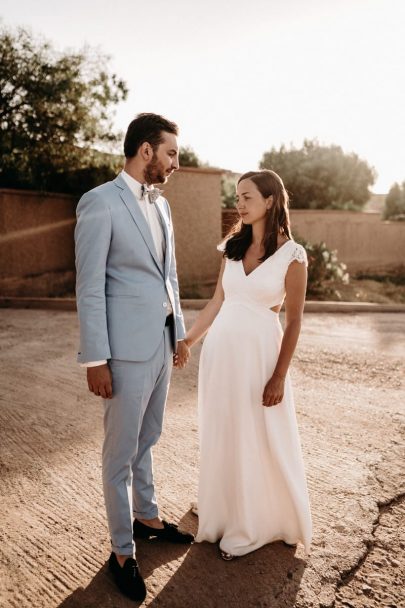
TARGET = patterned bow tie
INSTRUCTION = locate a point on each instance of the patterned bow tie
(153, 193)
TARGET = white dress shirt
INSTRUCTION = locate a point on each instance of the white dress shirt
(151, 215)
(153, 220)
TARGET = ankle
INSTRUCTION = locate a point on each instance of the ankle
(156, 522)
(121, 559)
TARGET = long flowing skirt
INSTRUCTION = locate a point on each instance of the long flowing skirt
(252, 487)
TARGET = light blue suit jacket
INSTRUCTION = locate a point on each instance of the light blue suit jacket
(122, 289)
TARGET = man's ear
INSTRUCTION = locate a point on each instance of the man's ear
(146, 151)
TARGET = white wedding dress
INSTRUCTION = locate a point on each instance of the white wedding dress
(252, 488)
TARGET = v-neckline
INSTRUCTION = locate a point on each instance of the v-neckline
(261, 264)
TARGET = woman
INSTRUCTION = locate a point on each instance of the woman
(252, 488)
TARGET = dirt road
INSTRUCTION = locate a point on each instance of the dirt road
(53, 535)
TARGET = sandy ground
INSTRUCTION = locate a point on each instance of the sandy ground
(53, 536)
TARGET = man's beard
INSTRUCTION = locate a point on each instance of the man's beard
(154, 172)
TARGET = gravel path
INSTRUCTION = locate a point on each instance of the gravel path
(348, 376)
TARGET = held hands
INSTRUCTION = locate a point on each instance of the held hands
(182, 355)
(274, 391)
(99, 379)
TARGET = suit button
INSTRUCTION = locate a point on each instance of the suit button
(164, 304)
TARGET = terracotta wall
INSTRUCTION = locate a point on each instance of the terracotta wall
(37, 251)
(363, 241)
(36, 243)
(36, 232)
(195, 200)
(36, 236)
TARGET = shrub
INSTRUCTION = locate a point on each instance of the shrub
(395, 275)
(324, 269)
(395, 203)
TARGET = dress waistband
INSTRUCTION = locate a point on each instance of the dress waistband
(256, 306)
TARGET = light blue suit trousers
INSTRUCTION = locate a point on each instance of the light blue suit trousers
(133, 421)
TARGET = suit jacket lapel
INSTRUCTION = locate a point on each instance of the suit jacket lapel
(168, 252)
(135, 210)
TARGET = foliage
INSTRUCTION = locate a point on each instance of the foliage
(395, 203)
(324, 269)
(188, 158)
(394, 275)
(321, 177)
(228, 189)
(53, 111)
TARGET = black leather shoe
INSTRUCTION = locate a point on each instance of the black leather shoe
(128, 578)
(169, 532)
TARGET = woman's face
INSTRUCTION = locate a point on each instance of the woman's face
(251, 205)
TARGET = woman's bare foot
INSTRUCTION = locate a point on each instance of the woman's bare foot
(226, 556)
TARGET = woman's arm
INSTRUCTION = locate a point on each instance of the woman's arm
(295, 285)
(208, 313)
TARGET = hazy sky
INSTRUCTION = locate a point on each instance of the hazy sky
(241, 77)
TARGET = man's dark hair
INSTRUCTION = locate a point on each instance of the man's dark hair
(147, 127)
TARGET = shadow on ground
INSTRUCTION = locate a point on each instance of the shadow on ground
(270, 576)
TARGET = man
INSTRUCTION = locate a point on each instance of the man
(130, 324)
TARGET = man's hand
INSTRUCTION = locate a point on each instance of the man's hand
(99, 379)
(182, 355)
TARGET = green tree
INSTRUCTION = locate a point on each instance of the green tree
(228, 190)
(54, 110)
(188, 158)
(321, 177)
(395, 203)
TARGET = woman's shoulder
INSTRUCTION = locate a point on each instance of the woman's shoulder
(295, 252)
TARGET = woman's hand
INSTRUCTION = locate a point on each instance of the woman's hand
(182, 354)
(274, 391)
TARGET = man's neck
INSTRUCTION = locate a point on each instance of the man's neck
(135, 172)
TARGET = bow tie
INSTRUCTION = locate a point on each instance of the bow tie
(153, 193)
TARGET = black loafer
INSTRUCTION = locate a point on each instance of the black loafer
(169, 532)
(128, 578)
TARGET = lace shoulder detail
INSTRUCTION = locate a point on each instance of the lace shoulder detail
(298, 254)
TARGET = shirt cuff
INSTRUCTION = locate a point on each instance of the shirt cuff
(93, 363)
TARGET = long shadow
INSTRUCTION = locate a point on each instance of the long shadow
(269, 577)
(102, 591)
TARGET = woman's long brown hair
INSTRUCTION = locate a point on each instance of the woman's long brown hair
(277, 220)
